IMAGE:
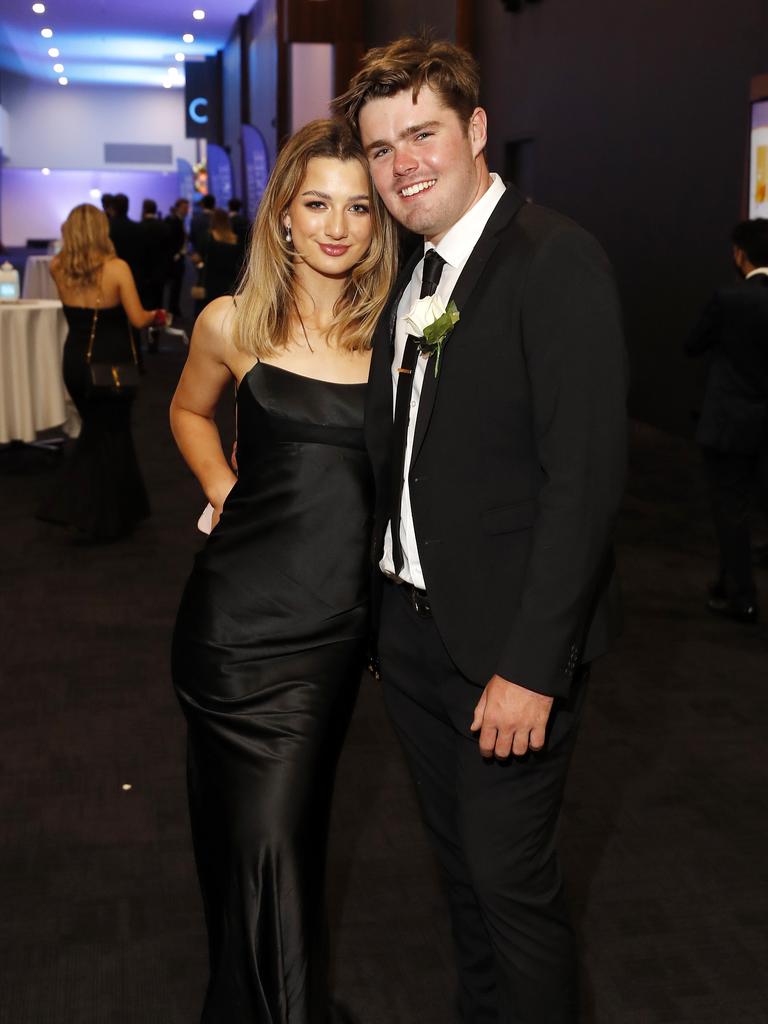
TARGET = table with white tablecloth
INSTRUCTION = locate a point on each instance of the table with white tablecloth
(38, 283)
(32, 392)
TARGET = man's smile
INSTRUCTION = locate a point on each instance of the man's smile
(415, 189)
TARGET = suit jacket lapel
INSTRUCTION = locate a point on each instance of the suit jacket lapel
(379, 411)
(506, 209)
(397, 293)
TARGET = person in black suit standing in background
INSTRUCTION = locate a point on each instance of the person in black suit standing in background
(733, 425)
(200, 227)
(154, 256)
(497, 489)
(125, 234)
(127, 239)
(238, 220)
(175, 224)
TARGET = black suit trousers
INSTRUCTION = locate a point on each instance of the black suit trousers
(492, 825)
(735, 480)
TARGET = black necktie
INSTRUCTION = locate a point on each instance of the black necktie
(433, 268)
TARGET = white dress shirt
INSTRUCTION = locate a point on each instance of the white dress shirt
(455, 248)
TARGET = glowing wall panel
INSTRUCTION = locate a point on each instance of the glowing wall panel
(758, 161)
(34, 204)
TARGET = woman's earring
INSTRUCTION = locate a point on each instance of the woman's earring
(288, 237)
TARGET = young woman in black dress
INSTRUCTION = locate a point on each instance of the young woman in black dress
(100, 491)
(222, 255)
(271, 636)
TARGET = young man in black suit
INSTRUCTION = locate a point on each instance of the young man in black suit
(733, 426)
(177, 252)
(127, 239)
(498, 486)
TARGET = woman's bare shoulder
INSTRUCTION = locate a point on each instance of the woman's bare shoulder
(115, 267)
(218, 316)
(213, 328)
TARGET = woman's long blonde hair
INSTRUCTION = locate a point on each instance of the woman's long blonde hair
(86, 246)
(266, 310)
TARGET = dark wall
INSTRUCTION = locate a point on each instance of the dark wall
(638, 114)
(385, 21)
(234, 100)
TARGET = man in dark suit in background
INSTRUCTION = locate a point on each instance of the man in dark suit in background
(128, 242)
(177, 252)
(238, 221)
(200, 227)
(107, 201)
(733, 425)
(125, 234)
(154, 256)
(497, 490)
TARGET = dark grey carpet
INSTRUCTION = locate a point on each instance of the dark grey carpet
(664, 835)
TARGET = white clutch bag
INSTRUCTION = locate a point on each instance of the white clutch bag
(205, 522)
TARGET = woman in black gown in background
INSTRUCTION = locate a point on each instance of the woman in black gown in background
(271, 636)
(100, 490)
(222, 255)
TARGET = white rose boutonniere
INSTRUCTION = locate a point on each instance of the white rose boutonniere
(430, 322)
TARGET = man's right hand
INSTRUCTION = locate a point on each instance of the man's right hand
(511, 719)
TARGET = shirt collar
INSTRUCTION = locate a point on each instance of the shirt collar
(757, 270)
(459, 241)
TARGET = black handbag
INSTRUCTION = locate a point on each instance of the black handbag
(111, 380)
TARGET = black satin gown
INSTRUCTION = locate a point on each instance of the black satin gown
(269, 646)
(100, 490)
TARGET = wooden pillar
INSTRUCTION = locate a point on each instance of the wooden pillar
(465, 24)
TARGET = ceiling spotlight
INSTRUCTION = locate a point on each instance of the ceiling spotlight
(167, 84)
(38, 8)
(188, 38)
(58, 68)
(95, 193)
(63, 80)
(45, 170)
(53, 52)
(198, 15)
(173, 72)
(179, 57)
(46, 33)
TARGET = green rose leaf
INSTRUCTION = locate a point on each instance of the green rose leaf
(436, 334)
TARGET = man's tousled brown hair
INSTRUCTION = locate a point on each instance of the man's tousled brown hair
(411, 63)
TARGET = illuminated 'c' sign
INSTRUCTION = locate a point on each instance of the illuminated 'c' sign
(194, 110)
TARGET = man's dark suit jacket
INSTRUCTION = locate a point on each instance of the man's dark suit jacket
(155, 245)
(128, 242)
(734, 328)
(519, 453)
(200, 228)
(177, 239)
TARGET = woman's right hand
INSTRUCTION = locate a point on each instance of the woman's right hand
(220, 501)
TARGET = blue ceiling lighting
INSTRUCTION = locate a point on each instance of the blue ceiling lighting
(114, 44)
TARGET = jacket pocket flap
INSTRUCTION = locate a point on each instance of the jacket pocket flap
(509, 518)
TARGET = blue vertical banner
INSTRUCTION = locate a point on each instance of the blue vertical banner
(219, 174)
(255, 167)
(186, 180)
